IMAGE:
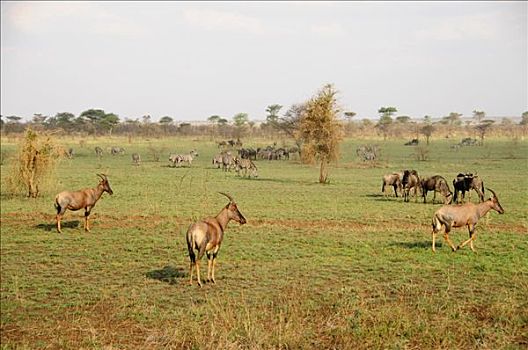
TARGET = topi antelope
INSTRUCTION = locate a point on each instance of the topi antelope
(206, 237)
(467, 214)
(85, 198)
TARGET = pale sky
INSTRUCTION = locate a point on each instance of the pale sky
(191, 60)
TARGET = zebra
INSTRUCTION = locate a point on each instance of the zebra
(177, 159)
(247, 165)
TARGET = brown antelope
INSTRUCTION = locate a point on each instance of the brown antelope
(467, 214)
(85, 198)
(206, 237)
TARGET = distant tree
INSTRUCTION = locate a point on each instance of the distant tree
(453, 119)
(483, 128)
(479, 115)
(240, 119)
(146, 119)
(387, 111)
(524, 120)
(166, 120)
(427, 131)
(108, 122)
(349, 115)
(13, 119)
(427, 119)
(222, 121)
(273, 112)
(320, 130)
(384, 125)
(65, 121)
(213, 119)
(403, 119)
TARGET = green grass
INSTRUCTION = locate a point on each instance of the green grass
(316, 266)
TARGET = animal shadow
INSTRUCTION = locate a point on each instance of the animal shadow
(416, 245)
(64, 224)
(167, 274)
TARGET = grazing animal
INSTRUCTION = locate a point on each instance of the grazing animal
(436, 183)
(393, 180)
(85, 198)
(217, 161)
(465, 183)
(450, 216)
(228, 162)
(117, 150)
(70, 153)
(206, 237)
(98, 151)
(250, 169)
(410, 182)
(178, 159)
(136, 158)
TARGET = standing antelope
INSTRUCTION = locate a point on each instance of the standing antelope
(206, 237)
(85, 198)
(467, 214)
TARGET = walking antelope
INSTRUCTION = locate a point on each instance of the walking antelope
(468, 214)
(206, 237)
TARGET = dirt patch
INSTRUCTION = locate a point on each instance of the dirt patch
(152, 221)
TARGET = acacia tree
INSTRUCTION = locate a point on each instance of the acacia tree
(385, 121)
(320, 130)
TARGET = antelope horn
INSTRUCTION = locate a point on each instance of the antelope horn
(102, 176)
(493, 192)
(228, 196)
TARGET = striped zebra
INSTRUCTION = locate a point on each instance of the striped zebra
(250, 169)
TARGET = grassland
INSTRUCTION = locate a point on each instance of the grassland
(316, 266)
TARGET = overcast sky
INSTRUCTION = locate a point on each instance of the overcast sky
(191, 60)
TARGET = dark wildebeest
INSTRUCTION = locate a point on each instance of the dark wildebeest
(465, 183)
(436, 183)
(393, 180)
(410, 182)
(98, 151)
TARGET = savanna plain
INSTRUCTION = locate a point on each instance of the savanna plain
(333, 266)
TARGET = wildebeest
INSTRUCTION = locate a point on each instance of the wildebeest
(393, 180)
(70, 153)
(413, 142)
(450, 216)
(410, 182)
(436, 183)
(465, 183)
(206, 237)
(85, 198)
